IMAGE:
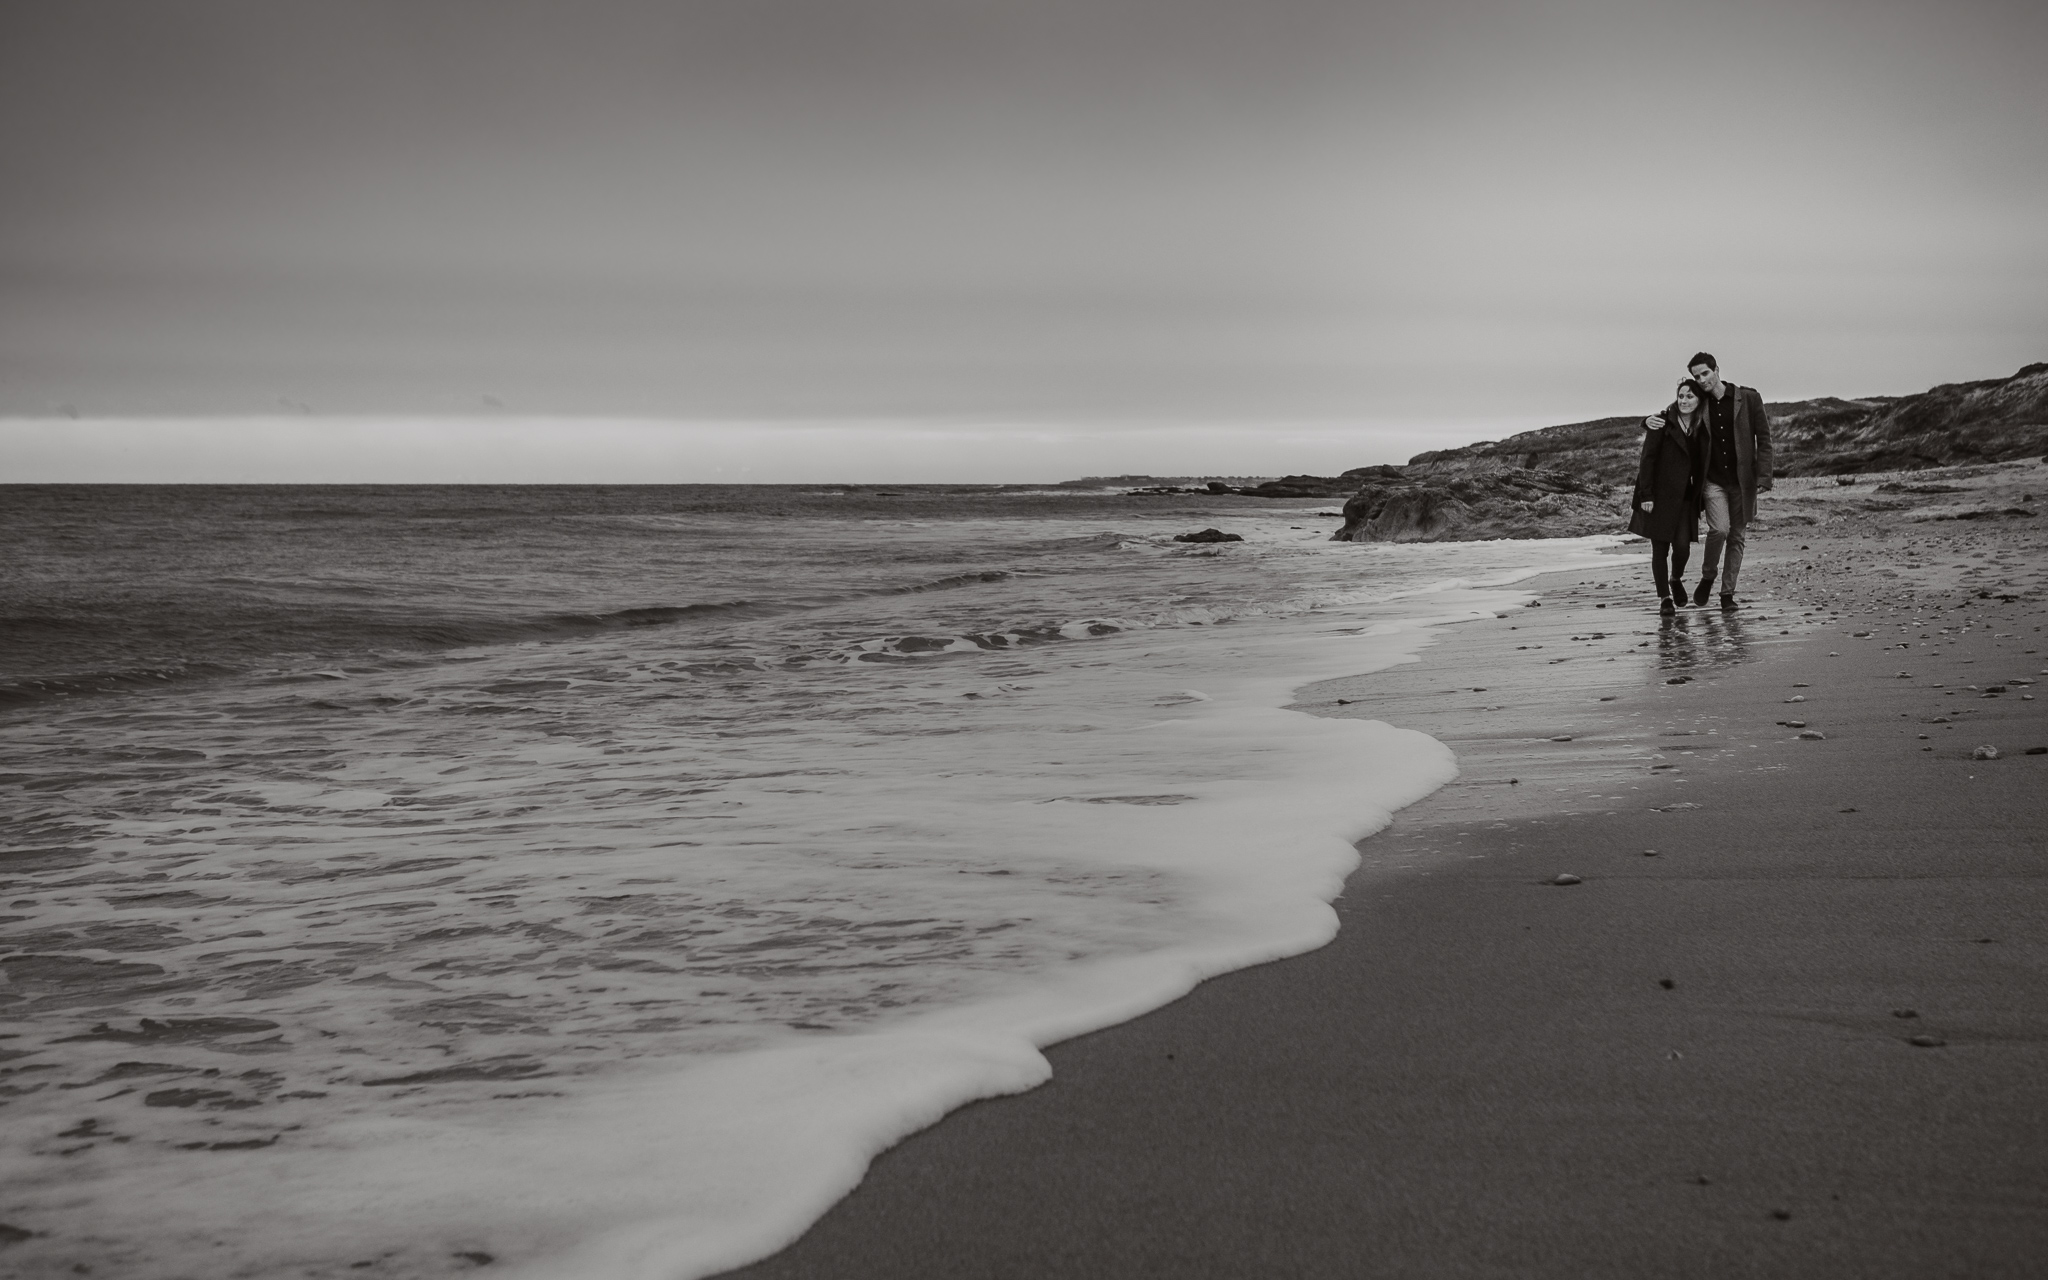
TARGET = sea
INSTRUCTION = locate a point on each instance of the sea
(589, 881)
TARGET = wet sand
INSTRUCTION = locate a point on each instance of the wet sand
(1792, 1019)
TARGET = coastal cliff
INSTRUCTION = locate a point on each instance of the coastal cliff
(1989, 421)
(1574, 479)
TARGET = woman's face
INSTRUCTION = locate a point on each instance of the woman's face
(1687, 401)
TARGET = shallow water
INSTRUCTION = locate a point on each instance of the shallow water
(408, 847)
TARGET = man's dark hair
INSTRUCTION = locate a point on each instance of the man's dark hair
(1703, 358)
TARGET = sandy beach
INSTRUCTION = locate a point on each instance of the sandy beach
(1791, 1018)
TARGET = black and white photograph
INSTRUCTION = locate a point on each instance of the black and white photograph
(1023, 639)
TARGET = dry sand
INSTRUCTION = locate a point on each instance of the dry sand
(1701, 1062)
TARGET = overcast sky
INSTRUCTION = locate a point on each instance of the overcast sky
(1022, 239)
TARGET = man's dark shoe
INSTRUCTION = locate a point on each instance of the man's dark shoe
(1668, 609)
(1701, 592)
(1728, 601)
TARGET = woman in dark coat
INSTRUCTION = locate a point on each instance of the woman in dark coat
(1666, 508)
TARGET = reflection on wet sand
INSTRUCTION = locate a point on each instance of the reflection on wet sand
(1692, 642)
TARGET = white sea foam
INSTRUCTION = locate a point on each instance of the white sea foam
(613, 958)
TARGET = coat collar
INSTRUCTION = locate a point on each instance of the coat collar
(1685, 438)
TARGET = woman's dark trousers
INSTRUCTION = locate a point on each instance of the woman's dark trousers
(1667, 565)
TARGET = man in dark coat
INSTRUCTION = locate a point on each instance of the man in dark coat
(1738, 468)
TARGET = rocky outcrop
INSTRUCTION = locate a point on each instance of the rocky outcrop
(1209, 535)
(1467, 500)
(1959, 422)
(1604, 449)
(1990, 421)
(1285, 487)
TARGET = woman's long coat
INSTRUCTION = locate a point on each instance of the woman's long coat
(1673, 467)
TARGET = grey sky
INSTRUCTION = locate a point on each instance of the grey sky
(1455, 212)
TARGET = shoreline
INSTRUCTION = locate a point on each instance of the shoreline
(1485, 1073)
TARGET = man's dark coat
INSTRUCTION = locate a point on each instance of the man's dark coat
(1752, 452)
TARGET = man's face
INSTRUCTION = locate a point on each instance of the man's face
(1708, 376)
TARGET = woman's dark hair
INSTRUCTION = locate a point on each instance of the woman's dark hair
(1699, 392)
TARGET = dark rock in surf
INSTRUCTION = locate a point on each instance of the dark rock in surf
(1208, 535)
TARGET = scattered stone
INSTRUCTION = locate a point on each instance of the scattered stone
(1343, 702)
(1905, 1013)
(1927, 1042)
(1649, 853)
(1850, 809)
(1673, 808)
(1666, 983)
(1793, 724)
(1565, 877)
(1797, 697)
(1813, 735)
(1562, 737)
(1782, 1215)
(2037, 751)
(1701, 1179)
(1984, 753)
(1679, 680)
(1208, 535)
(478, 1256)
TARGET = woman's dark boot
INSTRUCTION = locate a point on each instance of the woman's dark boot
(1701, 592)
(1669, 607)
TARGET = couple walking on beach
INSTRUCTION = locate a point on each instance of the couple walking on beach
(1708, 452)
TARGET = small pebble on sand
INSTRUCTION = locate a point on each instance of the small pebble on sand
(1905, 1013)
(1813, 734)
(1666, 983)
(1562, 737)
(1984, 753)
(1565, 877)
(1927, 1042)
